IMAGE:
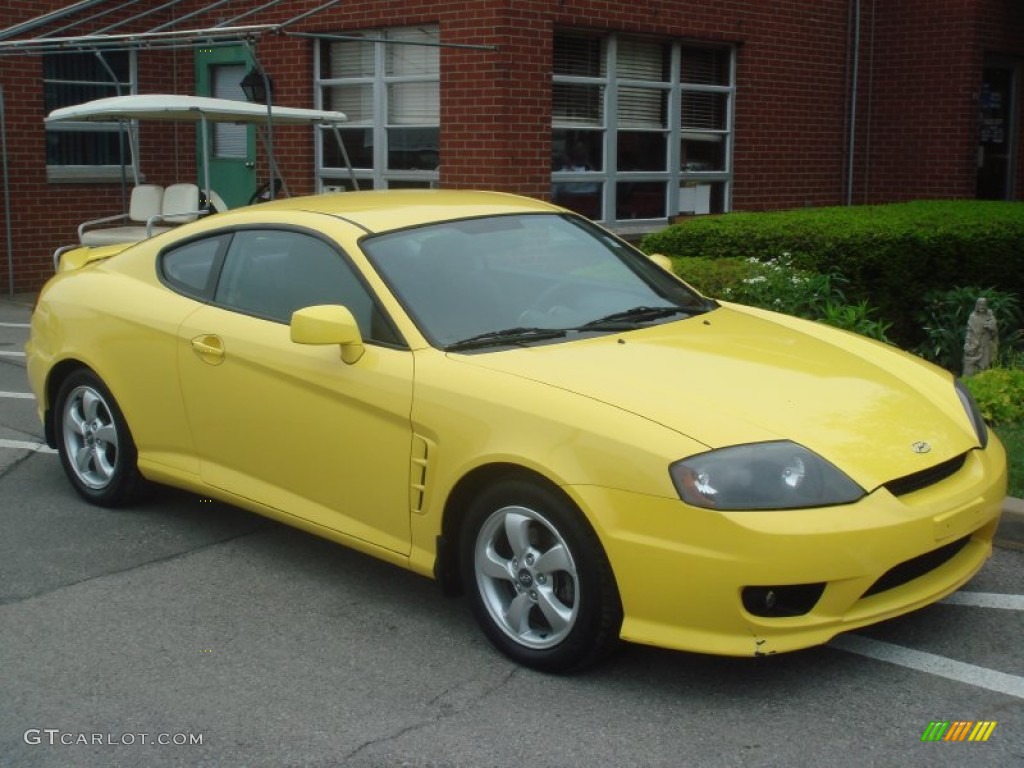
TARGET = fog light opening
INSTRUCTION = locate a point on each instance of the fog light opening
(784, 600)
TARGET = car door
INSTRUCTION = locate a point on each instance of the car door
(292, 426)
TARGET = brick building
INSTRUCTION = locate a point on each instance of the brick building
(631, 113)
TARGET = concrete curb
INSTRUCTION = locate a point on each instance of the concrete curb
(1010, 534)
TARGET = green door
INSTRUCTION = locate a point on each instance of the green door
(232, 148)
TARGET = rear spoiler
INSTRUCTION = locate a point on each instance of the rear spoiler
(71, 257)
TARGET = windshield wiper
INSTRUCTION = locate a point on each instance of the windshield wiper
(506, 336)
(629, 318)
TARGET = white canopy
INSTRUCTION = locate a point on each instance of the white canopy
(190, 109)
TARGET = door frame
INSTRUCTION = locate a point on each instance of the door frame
(1011, 129)
(239, 182)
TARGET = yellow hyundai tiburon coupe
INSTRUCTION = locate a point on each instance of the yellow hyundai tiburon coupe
(497, 393)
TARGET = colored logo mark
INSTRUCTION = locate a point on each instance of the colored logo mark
(958, 730)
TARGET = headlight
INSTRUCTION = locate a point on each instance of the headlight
(973, 413)
(780, 475)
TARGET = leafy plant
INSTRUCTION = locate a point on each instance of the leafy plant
(999, 393)
(779, 285)
(1012, 436)
(858, 318)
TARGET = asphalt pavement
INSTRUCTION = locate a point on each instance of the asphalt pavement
(185, 632)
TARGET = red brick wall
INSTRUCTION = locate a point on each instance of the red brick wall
(919, 75)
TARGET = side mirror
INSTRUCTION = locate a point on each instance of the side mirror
(328, 324)
(662, 261)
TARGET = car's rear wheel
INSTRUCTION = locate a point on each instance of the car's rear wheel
(539, 581)
(95, 446)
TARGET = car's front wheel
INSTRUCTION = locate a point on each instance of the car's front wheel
(95, 446)
(540, 583)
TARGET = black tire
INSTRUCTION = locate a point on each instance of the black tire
(95, 446)
(540, 584)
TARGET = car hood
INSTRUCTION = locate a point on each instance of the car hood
(738, 375)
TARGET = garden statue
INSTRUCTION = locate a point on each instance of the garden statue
(982, 341)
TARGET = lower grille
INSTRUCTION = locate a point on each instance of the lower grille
(918, 566)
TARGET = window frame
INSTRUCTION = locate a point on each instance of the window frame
(227, 236)
(675, 177)
(100, 172)
(380, 175)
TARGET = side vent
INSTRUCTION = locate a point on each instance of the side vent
(419, 473)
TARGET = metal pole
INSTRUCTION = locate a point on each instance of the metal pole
(344, 155)
(204, 131)
(7, 195)
(852, 151)
(274, 172)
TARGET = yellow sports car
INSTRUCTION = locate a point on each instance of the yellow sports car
(494, 392)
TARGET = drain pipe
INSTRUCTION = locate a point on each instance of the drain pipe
(851, 150)
(7, 195)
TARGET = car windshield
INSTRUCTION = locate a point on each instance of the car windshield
(515, 279)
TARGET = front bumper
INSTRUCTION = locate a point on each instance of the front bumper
(681, 571)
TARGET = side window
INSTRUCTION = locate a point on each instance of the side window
(192, 268)
(272, 273)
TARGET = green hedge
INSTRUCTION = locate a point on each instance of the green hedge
(890, 255)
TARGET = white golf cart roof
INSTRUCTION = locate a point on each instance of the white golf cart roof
(190, 109)
(199, 111)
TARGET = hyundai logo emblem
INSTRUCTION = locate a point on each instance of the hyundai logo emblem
(920, 447)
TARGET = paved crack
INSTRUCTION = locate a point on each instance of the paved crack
(450, 702)
(138, 566)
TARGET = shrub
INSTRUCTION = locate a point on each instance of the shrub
(713, 277)
(999, 393)
(885, 252)
(779, 286)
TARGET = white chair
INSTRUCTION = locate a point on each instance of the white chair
(145, 203)
(180, 206)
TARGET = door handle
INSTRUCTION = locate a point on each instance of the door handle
(209, 348)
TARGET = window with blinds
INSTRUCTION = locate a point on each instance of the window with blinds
(230, 140)
(75, 78)
(641, 127)
(389, 84)
(642, 69)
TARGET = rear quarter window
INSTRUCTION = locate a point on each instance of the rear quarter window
(192, 268)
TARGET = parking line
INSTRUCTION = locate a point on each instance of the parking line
(986, 600)
(5, 353)
(980, 677)
(25, 445)
(18, 395)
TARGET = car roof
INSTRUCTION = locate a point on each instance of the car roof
(385, 210)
